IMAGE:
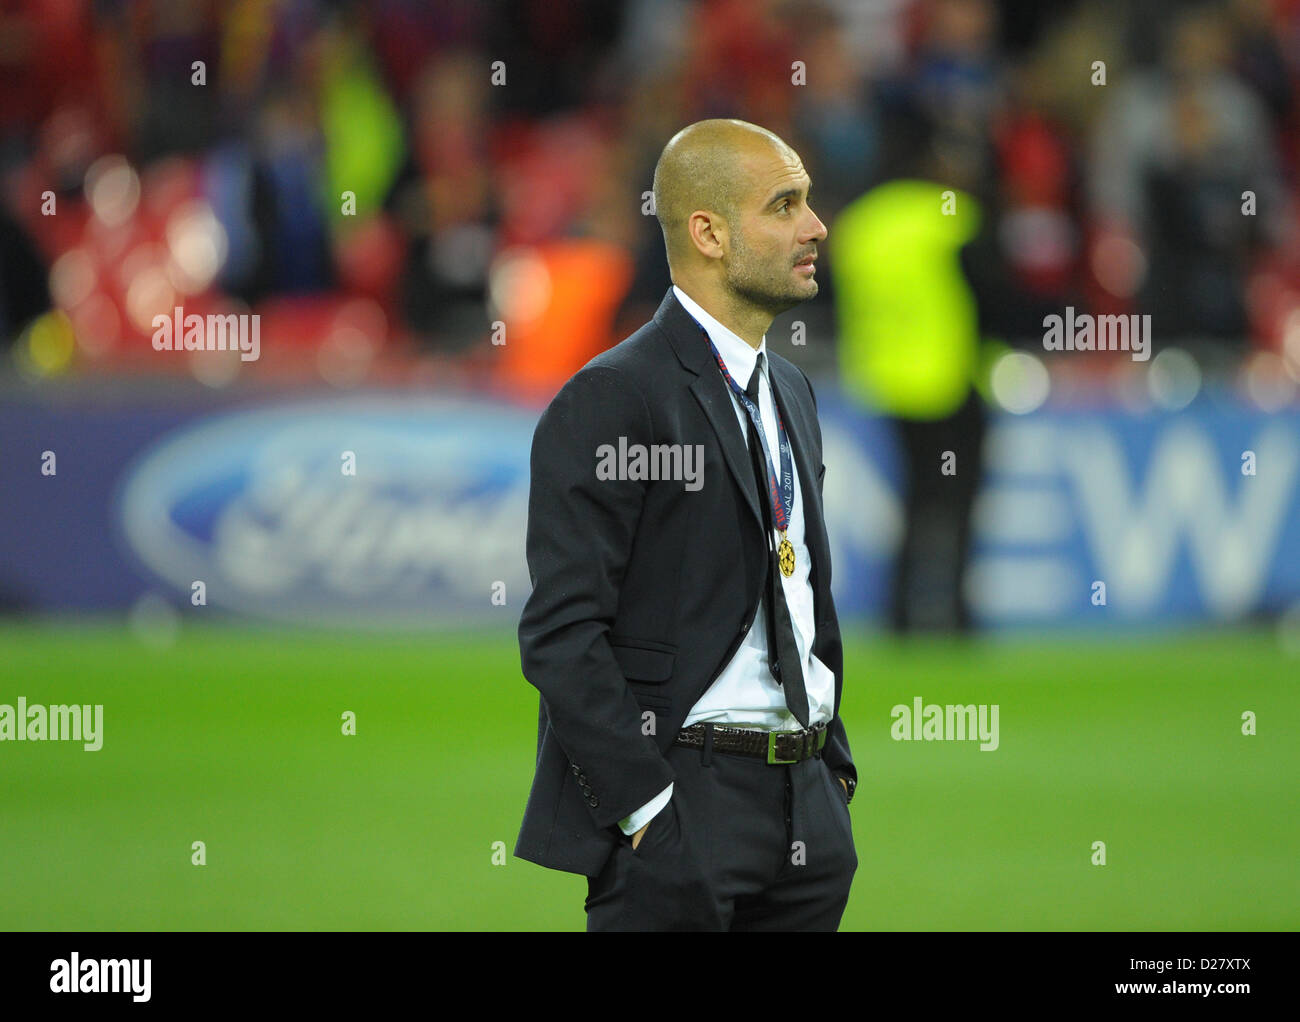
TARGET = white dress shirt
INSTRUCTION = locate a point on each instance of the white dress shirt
(745, 694)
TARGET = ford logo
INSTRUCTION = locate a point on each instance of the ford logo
(372, 511)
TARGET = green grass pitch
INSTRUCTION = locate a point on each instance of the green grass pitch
(232, 736)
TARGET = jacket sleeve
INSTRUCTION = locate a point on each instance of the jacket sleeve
(836, 754)
(580, 534)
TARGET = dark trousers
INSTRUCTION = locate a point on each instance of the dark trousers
(930, 569)
(742, 845)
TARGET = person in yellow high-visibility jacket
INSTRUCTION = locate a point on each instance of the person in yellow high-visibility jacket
(909, 347)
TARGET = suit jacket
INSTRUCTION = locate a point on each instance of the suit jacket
(643, 590)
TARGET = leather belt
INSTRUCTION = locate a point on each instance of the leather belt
(775, 747)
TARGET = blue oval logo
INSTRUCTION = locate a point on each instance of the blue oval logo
(379, 511)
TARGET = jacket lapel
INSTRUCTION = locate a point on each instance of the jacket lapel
(720, 411)
(687, 339)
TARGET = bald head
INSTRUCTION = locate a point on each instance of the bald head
(732, 199)
(704, 167)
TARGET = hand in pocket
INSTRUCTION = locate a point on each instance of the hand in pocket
(654, 826)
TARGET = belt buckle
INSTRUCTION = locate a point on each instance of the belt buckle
(771, 747)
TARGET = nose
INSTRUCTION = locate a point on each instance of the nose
(818, 229)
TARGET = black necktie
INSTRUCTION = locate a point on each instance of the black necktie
(783, 651)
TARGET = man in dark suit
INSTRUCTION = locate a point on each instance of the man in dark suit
(691, 761)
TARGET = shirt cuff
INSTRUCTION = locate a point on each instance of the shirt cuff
(631, 824)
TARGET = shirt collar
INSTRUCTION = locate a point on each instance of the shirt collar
(736, 352)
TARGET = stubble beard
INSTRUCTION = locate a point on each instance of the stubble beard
(755, 284)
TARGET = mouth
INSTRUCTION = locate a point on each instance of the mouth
(806, 265)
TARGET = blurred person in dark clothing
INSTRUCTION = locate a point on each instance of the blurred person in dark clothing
(1173, 156)
(24, 292)
(446, 198)
(909, 347)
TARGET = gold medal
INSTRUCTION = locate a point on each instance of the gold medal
(785, 556)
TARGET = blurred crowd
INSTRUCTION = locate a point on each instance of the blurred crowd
(388, 183)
